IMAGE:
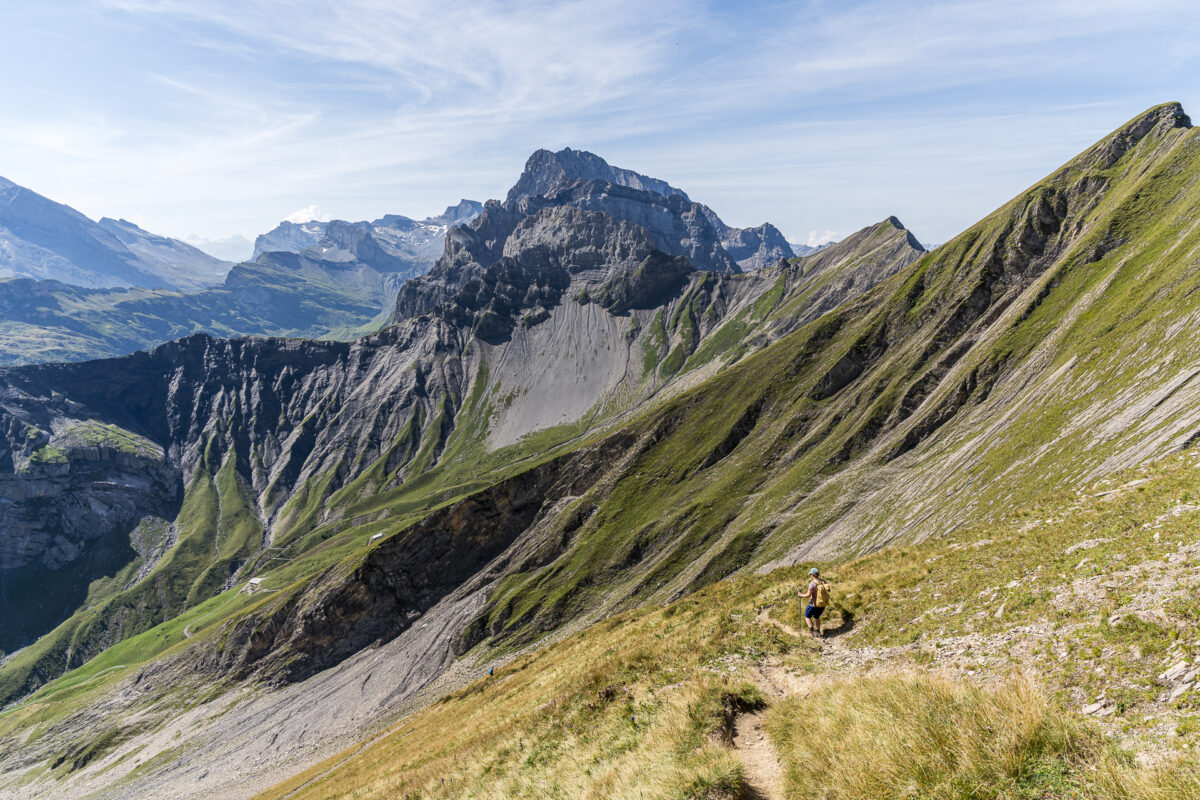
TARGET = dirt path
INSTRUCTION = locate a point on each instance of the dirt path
(763, 617)
(764, 774)
(187, 629)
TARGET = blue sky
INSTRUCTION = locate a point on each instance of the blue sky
(218, 118)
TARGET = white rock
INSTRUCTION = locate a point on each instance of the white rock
(1180, 690)
(1174, 673)
(1100, 708)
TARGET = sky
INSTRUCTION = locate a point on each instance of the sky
(217, 119)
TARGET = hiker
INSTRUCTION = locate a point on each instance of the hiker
(817, 597)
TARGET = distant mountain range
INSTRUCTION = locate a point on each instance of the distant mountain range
(404, 237)
(82, 289)
(45, 240)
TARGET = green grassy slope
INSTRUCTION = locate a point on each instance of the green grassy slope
(216, 532)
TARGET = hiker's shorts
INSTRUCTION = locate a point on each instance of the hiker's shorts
(814, 612)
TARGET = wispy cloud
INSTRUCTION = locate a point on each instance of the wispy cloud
(818, 238)
(220, 116)
(308, 214)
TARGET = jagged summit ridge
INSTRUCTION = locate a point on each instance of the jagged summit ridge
(898, 225)
(1153, 124)
(548, 172)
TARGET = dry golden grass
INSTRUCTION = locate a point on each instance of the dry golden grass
(920, 736)
(639, 706)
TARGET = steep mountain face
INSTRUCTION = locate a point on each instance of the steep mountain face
(46, 240)
(676, 225)
(753, 248)
(570, 419)
(517, 258)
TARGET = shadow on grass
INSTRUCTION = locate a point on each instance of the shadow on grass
(844, 626)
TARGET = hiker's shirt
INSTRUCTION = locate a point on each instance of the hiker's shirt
(812, 593)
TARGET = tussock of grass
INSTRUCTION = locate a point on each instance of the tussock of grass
(920, 736)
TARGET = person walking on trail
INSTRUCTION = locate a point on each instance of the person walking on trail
(817, 598)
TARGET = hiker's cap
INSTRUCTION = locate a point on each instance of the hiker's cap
(814, 571)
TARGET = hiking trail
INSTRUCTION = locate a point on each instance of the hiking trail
(763, 771)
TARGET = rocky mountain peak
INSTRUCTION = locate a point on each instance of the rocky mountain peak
(546, 173)
(463, 211)
(1154, 124)
(896, 224)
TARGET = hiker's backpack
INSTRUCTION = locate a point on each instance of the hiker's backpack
(822, 594)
